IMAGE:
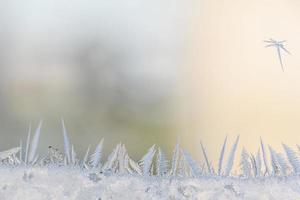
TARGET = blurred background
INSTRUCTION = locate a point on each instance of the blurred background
(145, 72)
(109, 68)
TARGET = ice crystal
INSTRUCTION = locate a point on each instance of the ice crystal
(153, 177)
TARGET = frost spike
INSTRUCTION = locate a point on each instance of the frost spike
(73, 155)
(192, 164)
(126, 164)
(264, 156)
(135, 166)
(274, 161)
(86, 155)
(258, 163)
(231, 157)
(27, 144)
(121, 159)
(292, 157)
(34, 143)
(175, 159)
(111, 158)
(206, 159)
(281, 161)
(183, 169)
(221, 157)
(246, 167)
(96, 156)
(20, 153)
(147, 160)
(254, 165)
(161, 163)
(66, 142)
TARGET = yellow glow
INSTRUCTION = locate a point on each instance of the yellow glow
(232, 84)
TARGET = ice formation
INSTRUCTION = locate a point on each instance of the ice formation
(279, 46)
(62, 175)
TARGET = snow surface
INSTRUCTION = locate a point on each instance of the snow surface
(67, 183)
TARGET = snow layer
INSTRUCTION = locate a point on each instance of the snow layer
(66, 183)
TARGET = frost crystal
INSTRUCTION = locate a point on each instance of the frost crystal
(63, 175)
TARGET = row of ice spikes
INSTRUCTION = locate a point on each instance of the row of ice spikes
(155, 162)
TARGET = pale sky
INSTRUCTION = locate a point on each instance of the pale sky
(232, 84)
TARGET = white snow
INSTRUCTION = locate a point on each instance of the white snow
(67, 183)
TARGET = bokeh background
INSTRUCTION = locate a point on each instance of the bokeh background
(109, 68)
(145, 72)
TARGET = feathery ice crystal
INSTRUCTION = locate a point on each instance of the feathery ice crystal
(153, 177)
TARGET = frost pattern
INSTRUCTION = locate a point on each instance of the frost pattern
(154, 171)
(155, 162)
